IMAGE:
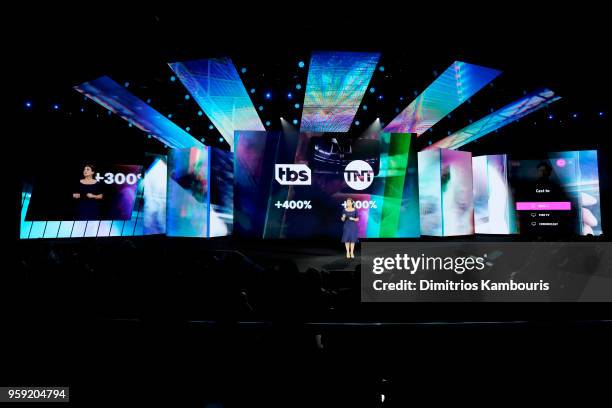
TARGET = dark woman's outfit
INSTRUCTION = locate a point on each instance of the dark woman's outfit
(351, 229)
(88, 208)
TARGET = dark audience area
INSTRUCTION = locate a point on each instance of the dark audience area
(156, 278)
(186, 322)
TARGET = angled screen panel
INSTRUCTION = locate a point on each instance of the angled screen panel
(457, 84)
(508, 114)
(120, 101)
(217, 88)
(336, 84)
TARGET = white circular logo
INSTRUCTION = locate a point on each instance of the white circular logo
(358, 174)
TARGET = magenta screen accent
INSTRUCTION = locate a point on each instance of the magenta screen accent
(544, 205)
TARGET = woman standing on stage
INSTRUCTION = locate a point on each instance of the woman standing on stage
(88, 194)
(350, 230)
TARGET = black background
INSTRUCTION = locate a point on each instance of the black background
(51, 340)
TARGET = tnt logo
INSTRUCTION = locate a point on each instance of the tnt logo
(358, 174)
(292, 174)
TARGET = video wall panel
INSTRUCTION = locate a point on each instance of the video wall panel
(335, 87)
(66, 204)
(557, 193)
(454, 86)
(493, 202)
(445, 192)
(295, 186)
(200, 193)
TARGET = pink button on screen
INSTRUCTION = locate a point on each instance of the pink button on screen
(544, 205)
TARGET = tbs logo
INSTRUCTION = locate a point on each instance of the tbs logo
(358, 174)
(292, 174)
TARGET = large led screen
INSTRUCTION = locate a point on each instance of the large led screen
(556, 194)
(295, 186)
(81, 199)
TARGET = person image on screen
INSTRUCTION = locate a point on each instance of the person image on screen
(88, 195)
(350, 231)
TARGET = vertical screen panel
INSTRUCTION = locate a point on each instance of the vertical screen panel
(395, 189)
(336, 84)
(188, 192)
(458, 83)
(457, 193)
(430, 194)
(253, 177)
(120, 101)
(217, 88)
(493, 213)
(154, 190)
(221, 217)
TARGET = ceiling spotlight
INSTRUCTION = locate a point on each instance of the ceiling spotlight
(252, 90)
(243, 70)
(289, 95)
(268, 95)
(187, 97)
(267, 123)
(298, 86)
(56, 106)
(200, 113)
(301, 64)
(297, 105)
(211, 127)
(372, 90)
(357, 123)
(295, 121)
(28, 104)
(172, 78)
(381, 68)
(260, 108)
